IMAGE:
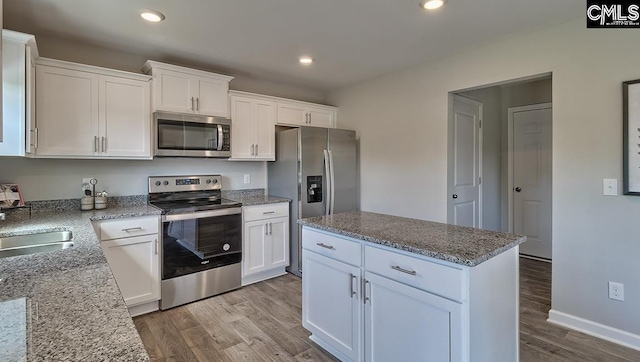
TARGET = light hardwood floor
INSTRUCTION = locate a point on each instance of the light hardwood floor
(261, 322)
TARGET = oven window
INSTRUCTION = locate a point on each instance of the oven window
(177, 135)
(194, 245)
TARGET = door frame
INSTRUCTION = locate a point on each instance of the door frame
(480, 106)
(511, 111)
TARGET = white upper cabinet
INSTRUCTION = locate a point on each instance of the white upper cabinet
(18, 93)
(90, 112)
(306, 114)
(252, 127)
(185, 90)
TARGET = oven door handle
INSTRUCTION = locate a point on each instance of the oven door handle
(202, 214)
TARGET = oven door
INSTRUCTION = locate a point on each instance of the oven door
(201, 240)
(192, 136)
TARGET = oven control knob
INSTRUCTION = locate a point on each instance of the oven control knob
(166, 183)
(208, 182)
(158, 183)
(215, 181)
(226, 247)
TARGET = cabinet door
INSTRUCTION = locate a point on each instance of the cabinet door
(67, 112)
(134, 263)
(243, 133)
(292, 113)
(279, 242)
(254, 252)
(331, 307)
(321, 117)
(402, 322)
(212, 97)
(265, 124)
(125, 118)
(173, 92)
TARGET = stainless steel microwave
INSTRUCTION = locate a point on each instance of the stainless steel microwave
(186, 135)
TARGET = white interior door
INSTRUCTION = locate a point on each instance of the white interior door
(531, 188)
(465, 167)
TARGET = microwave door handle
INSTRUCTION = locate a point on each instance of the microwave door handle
(327, 199)
(220, 138)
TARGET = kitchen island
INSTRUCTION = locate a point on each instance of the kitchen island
(379, 287)
(65, 305)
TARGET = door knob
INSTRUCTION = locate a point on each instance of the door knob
(518, 189)
(455, 196)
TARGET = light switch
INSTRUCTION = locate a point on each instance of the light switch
(610, 187)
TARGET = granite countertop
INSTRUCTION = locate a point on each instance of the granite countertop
(72, 307)
(252, 197)
(456, 244)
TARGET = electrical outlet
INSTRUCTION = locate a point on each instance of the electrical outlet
(616, 291)
(247, 178)
(610, 187)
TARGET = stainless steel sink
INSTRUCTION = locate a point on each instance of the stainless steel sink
(35, 243)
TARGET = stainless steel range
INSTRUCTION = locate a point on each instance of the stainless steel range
(201, 238)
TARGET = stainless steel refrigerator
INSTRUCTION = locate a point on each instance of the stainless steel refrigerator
(316, 169)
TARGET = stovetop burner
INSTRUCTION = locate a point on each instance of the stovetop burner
(183, 207)
(187, 194)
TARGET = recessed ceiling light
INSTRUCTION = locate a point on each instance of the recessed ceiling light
(306, 60)
(431, 4)
(152, 15)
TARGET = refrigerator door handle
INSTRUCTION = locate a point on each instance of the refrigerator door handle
(327, 173)
(332, 182)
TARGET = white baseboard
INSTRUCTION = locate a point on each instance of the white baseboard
(254, 278)
(143, 309)
(595, 329)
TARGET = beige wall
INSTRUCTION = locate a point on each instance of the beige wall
(595, 237)
(51, 179)
(72, 51)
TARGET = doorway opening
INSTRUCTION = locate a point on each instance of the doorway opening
(499, 160)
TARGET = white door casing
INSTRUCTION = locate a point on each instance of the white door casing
(530, 177)
(464, 206)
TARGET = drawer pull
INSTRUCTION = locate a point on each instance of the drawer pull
(398, 268)
(128, 230)
(326, 246)
(268, 212)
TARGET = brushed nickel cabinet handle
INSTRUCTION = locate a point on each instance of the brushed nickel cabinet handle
(323, 245)
(156, 246)
(198, 104)
(353, 292)
(270, 228)
(256, 149)
(104, 144)
(406, 271)
(128, 230)
(95, 144)
(35, 131)
(268, 212)
(366, 297)
(193, 108)
(266, 229)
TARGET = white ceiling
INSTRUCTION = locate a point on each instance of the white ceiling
(351, 40)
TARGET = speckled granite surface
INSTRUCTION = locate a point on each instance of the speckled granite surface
(75, 309)
(456, 244)
(252, 197)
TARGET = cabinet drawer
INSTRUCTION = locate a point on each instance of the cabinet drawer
(422, 274)
(337, 248)
(268, 211)
(128, 227)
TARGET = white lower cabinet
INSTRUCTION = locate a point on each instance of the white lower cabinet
(366, 302)
(131, 247)
(403, 322)
(265, 239)
(331, 305)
